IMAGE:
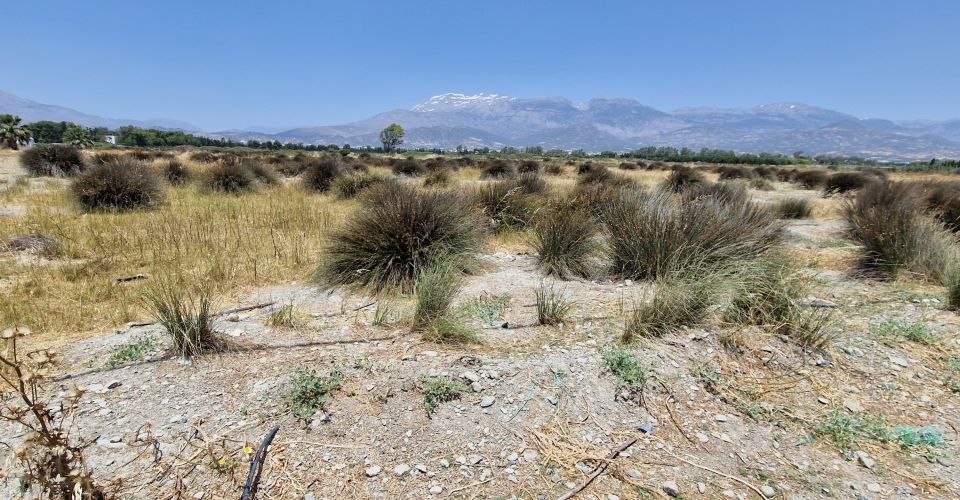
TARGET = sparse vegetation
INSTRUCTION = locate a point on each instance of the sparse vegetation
(439, 390)
(844, 182)
(133, 350)
(52, 160)
(631, 372)
(793, 208)
(350, 186)
(894, 330)
(552, 304)
(675, 303)
(310, 391)
(435, 290)
(177, 172)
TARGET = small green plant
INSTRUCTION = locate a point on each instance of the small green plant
(487, 308)
(132, 351)
(435, 290)
(440, 390)
(552, 305)
(310, 391)
(632, 373)
(893, 330)
(847, 430)
(913, 437)
(185, 316)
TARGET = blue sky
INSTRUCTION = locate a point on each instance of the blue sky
(223, 64)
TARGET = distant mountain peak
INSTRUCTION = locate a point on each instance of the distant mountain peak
(454, 101)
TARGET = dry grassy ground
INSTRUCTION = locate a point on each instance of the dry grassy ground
(729, 411)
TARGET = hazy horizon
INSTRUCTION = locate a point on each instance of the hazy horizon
(221, 65)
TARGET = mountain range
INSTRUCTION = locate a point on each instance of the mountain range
(489, 120)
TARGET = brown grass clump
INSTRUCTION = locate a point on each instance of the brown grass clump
(498, 169)
(410, 167)
(320, 173)
(681, 179)
(230, 177)
(811, 179)
(529, 167)
(176, 172)
(397, 233)
(52, 160)
(123, 184)
(566, 240)
(509, 204)
(203, 157)
(844, 182)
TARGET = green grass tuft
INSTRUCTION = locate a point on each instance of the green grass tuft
(440, 390)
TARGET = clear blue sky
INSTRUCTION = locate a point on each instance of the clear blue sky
(221, 64)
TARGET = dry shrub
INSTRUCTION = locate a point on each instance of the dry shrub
(124, 184)
(319, 173)
(681, 179)
(676, 303)
(438, 178)
(844, 182)
(177, 172)
(566, 240)
(724, 192)
(811, 179)
(627, 166)
(508, 204)
(887, 219)
(553, 169)
(529, 167)
(52, 160)
(397, 233)
(203, 157)
(943, 200)
(410, 167)
(498, 169)
(230, 177)
(793, 208)
(349, 186)
(656, 235)
(728, 172)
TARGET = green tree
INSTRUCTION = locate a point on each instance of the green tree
(78, 136)
(391, 137)
(12, 135)
(47, 132)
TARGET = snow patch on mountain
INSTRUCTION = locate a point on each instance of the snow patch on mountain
(454, 101)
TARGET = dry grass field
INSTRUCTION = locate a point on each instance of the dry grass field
(469, 332)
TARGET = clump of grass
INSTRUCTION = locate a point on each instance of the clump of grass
(565, 239)
(886, 219)
(320, 173)
(844, 182)
(439, 390)
(230, 177)
(953, 288)
(52, 160)
(553, 169)
(632, 373)
(653, 235)
(681, 179)
(434, 317)
(397, 233)
(310, 391)
(793, 208)
(203, 157)
(186, 318)
(288, 316)
(176, 172)
(438, 177)
(730, 193)
(529, 167)
(626, 165)
(123, 184)
(914, 332)
(349, 186)
(770, 293)
(261, 172)
(733, 172)
(552, 304)
(506, 204)
(675, 303)
(132, 351)
(498, 169)
(761, 184)
(409, 167)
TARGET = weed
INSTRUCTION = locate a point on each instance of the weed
(632, 373)
(847, 430)
(438, 390)
(133, 350)
(892, 330)
(310, 391)
(487, 308)
(230, 177)
(319, 175)
(186, 317)
(912, 437)
(552, 305)
(952, 377)
(288, 316)
(675, 303)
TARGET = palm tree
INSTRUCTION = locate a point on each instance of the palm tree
(12, 135)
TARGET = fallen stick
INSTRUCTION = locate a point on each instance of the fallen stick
(256, 466)
(728, 476)
(599, 469)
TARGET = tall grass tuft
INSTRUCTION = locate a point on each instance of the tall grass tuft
(320, 173)
(507, 203)
(498, 169)
(397, 233)
(186, 317)
(230, 177)
(844, 182)
(677, 302)
(176, 172)
(434, 318)
(552, 304)
(565, 239)
(681, 179)
(350, 186)
(792, 208)
(52, 160)
(656, 235)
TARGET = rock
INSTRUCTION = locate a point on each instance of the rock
(474, 459)
(634, 474)
(671, 488)
(401, 470)
(512, 458)
(531, 455)
(768, 491)
(822, 400)
(421, 468)
(899, 361)
(114, 384)
(487, 401)
(436, 490)
(553, 400)
(701, 488)
(721, 418)
(865, 459)
(476, 386)
(825, 304)
(471, 376)
(309, 496)
(430, 354)
(852, 405)
(874, 488)
(373, 471)
(444, 463)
